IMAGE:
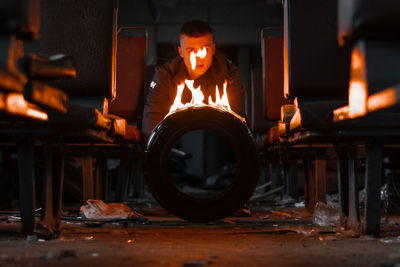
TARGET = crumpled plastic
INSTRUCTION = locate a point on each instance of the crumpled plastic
(325, 215)
(97, 209)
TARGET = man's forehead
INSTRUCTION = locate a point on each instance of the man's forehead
(203, 40)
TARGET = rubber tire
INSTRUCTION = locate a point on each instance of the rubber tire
(164, 137)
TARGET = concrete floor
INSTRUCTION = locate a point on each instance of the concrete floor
(277, 238)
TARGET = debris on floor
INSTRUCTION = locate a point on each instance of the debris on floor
(242, 212)
(97, 209)
(327, 216)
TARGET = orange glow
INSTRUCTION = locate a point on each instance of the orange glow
(341, 113)
(357, 99)
(16, 103)
(282, 128)
(36, 114)
(356, 60)
(221, 103)
(296, 120)
(177, 102)
(201, 53)
(383, 99)
(197, 94)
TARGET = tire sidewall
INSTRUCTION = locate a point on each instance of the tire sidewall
(163, 188)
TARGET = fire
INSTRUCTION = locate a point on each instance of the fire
(201, 53)
(197, 95)
(221, 103)
(197, 100)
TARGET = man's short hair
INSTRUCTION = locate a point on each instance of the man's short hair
(195, 28)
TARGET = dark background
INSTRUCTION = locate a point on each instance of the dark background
(237, 25)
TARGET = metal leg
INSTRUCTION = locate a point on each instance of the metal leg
(353, 221)
(291, 178)
(373, 175)
(87, 175)
(138, 181)
(343, 180)
(320, 180)
(101, 175)
(58, 181)
(46, 220)
(123, 176)
(276, 174)
(309, 186)
(26, 185)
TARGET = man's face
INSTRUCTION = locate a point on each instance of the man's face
(194, 44)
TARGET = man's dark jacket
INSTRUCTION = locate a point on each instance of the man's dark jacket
(163, 88)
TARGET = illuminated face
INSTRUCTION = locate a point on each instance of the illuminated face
(190, 47)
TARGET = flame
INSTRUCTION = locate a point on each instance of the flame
(201, 53)
(197, 95)
(357, 99)
(221, 103)
(177, 102)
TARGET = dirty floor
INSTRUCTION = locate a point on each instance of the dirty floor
(268, 238)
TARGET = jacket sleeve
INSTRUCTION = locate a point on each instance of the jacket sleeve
(235, 90)
(157, 101)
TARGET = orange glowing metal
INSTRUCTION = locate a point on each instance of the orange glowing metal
(383, 99)
(201, 53)
(356, 60)
(357, 99)
(341, 113)
(16, 104)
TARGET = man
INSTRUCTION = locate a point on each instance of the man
(209, 70)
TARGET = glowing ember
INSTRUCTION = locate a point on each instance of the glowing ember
(201, 53)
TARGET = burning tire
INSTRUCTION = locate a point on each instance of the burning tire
(164, 190)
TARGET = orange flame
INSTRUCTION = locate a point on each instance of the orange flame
(221, 103)
(357, 99)
(201, 53)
